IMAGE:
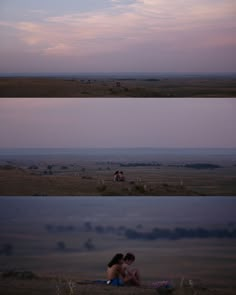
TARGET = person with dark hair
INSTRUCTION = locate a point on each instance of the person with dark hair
(114, 270)
(116, 176)
(130, 276)
(119, 176)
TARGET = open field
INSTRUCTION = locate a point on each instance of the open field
(63, 251)
(163, 182)
(212, 86)
(210, 264)
(92, 174)
(63, 239)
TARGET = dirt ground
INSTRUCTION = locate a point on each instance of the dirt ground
(17, 285)
(46, 286)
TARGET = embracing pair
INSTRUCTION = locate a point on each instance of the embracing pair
(119, 271)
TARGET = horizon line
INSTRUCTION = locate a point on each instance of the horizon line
(12, 148)
(109, 73)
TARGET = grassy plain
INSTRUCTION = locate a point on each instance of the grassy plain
(166, 86)
(145, 174)
(209, 263)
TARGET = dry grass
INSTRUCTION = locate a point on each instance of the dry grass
(167, 181)
(163, 87)
(59, 286)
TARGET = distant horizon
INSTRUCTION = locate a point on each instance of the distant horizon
(117, 74)
(167, 149)
(119, 147)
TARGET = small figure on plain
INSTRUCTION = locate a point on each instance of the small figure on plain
(122, 177)
(114, 269)
(130, 276)
(116, 176)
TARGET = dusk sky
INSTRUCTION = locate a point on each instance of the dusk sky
(117, 36)
(117, 122)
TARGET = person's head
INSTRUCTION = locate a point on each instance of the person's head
(117, 259)
(129, 258)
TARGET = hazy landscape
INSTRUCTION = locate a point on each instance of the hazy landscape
(51, 243)
(154, 172)
(142, 85)
(62, 244)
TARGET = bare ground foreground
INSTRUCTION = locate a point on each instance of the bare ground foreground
(49, 286)
(200, 86)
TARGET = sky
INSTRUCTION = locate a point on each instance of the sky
(117, 36)
(117, 122)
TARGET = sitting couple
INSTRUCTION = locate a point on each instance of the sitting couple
(119, 272)
(118, 176)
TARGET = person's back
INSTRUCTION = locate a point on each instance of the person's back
(116, 176)
(114, 270)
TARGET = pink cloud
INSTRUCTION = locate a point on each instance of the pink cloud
(83, 34)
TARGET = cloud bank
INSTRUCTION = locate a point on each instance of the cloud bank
(162, 29)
